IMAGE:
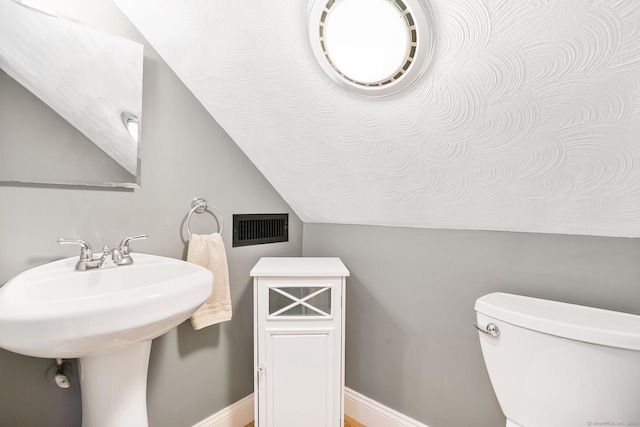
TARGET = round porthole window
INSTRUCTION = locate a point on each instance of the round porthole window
(371, 47)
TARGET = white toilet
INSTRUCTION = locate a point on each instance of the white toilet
(554, 364)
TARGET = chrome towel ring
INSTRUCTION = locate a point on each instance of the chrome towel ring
(199, 205)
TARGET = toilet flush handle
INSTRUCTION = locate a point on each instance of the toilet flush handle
(491, 329)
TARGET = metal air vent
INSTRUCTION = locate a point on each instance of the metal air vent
(256, 229)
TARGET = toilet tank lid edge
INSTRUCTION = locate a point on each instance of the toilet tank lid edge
(577, 322)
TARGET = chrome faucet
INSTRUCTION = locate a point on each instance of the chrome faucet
(119, 256)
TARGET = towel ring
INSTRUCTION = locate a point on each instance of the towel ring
(199, 205)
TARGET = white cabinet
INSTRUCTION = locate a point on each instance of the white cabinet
(299, 341)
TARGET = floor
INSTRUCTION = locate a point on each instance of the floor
(348, 422)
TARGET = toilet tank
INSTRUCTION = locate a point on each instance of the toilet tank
(561, 365)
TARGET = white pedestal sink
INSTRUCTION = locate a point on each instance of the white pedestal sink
(106, 318)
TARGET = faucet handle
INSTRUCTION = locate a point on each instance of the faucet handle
(86, 252)
(121, 255)
(124, 244)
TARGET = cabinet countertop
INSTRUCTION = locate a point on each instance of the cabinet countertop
(299, 267)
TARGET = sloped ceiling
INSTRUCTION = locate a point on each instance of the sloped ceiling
(528, 118)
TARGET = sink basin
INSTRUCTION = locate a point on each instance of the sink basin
(53, 311)
(106, 318)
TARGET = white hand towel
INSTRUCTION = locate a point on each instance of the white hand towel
(208, 251)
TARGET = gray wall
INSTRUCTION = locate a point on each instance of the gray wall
(410, 297)
(184, 154)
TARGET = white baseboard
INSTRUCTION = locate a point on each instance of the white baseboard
(374, 414)
(237, 415)
(356, 406)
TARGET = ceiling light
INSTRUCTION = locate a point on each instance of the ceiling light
(371, 47)
(132, 124)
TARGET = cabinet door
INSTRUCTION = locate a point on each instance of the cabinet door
(299, 352)
(299, 378)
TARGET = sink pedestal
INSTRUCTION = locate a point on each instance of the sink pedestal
(114, 387)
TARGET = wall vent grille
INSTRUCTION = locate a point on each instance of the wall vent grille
(256, 229)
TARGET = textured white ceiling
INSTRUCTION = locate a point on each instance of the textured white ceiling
(528, 118)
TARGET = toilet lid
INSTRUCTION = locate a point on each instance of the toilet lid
(577, 322)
